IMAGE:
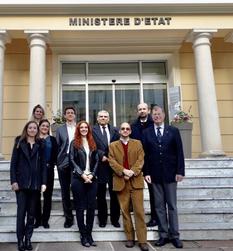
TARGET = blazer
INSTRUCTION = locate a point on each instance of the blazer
(28, 170)
(78, 158)
(63, 144)
(54, 151)
(163, 161)
(104, 172)
(135, 159)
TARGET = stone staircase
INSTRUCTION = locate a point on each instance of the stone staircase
(205, 202)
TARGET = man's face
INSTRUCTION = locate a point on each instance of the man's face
(103, 118)
(125, 130)
(158, 116)
(70, 115)
(143, 110)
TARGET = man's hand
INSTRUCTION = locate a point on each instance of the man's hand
(128, 172)
(148, 179)
(15, 186)
(179, 178)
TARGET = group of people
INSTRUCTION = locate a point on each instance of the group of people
(91, 159)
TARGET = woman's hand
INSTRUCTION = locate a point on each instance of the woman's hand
(43, 188)
(86, 178)
(15, 186)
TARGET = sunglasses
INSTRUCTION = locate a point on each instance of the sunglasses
(125, 128)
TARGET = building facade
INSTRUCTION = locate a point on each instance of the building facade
(99, 55)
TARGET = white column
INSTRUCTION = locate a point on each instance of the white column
(37, 40)
(207, 101)
(3, 40)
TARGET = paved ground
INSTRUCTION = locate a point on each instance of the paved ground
(119, 246)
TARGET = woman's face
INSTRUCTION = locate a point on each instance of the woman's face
(83, 129)
(32, 130)
(44, 128)
(38, 114)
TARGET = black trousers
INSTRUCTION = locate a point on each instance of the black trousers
(84, 199)
(26, 204)
(152, 202)
(64, 175)
(44, 215)
(102, 203)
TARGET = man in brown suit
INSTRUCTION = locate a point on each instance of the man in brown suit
(126, 158)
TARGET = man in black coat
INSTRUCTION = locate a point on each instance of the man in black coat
(144, 121)
(104, 134)
(164, 167)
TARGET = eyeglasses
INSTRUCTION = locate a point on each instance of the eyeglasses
(125, 128)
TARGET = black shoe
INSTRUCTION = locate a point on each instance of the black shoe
(177, 243)
(28, 244)
(129, 244)
(161, 242)
(85, 242)
(68, 223)
(46, 225)
(143, 246)
(36, 224)
(116, 224)
(151, 223)
(21, 246)
(91, 241)
(101, 224)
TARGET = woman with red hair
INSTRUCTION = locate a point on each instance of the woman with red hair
(84, 161)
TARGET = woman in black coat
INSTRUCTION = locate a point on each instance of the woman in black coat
(84, 162)
(28, 178)
(50, 151)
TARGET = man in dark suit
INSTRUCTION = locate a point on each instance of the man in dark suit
(144, 121)
(64, 136)
(164, 167)
(104, 134)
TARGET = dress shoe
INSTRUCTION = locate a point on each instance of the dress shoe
(129, 244)
(102, 224)
(85, 242)
(46, 225)
(91, 241)
(21, 245)
(177, 243)
(116, 224)
(161, 242)
(68, 223)
(143, 246)
(151, 223)
(28, 244)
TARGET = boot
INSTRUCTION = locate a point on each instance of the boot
(84, 241)
(28, 244)
(21, 245)
(91, 241)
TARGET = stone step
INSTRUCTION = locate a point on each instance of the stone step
(188, 231)
(209, 162)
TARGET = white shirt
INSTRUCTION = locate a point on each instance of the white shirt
(161, 129)
(107, 131)
(71, 131)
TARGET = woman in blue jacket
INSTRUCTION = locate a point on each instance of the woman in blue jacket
(84, 161)
(28, 178)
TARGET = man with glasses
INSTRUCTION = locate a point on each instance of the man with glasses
(126, 158)
(104, 134)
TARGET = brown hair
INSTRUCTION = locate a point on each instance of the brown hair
(78, 137)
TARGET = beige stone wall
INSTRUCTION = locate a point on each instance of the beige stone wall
(16, 90)
(222, 55)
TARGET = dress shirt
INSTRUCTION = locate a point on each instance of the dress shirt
(107, 131)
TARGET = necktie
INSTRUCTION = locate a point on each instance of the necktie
(105, 137)
(159, 135)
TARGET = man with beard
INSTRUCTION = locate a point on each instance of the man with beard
(144, 121)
